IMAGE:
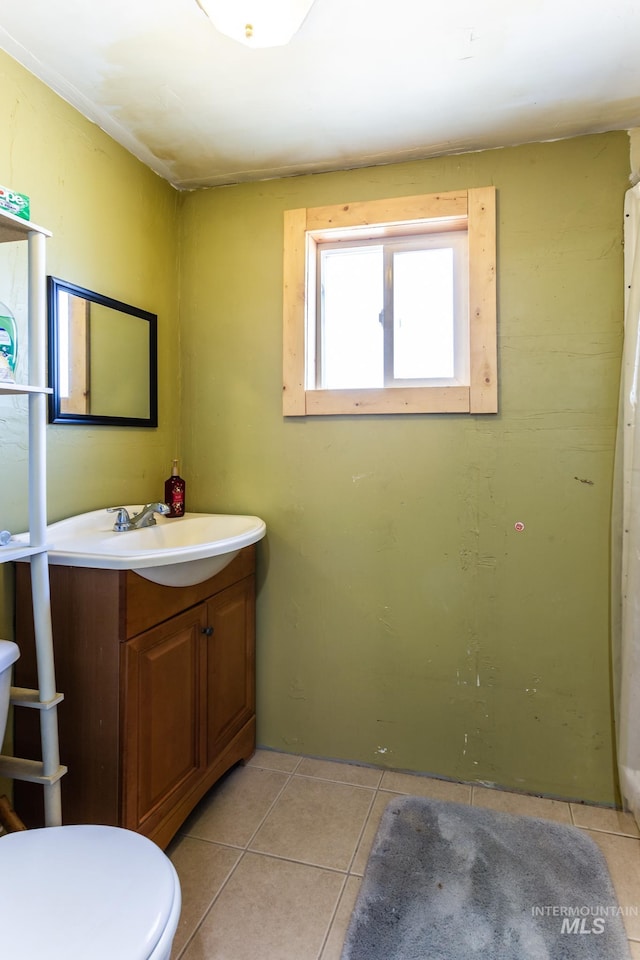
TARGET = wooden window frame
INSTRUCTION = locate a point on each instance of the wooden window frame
(473, 210)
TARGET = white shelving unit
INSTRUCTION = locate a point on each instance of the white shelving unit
(45, 699)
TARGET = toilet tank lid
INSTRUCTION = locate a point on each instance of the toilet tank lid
(9, 653)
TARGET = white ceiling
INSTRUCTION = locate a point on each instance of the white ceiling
(363, 82)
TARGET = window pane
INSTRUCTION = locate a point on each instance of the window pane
(351, 347)
(423, 297)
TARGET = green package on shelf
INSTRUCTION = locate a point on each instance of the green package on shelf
(8, 345)
(16, 203)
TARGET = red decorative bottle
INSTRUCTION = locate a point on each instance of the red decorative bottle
(174, 488)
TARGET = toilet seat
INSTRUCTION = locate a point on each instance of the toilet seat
(86, 893)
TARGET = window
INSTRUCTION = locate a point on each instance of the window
(390, 306)
(390, 314)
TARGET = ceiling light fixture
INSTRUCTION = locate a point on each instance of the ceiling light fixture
(257, 23)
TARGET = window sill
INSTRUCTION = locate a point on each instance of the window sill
(389, 400)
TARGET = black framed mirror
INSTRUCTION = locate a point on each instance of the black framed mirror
(103, 359)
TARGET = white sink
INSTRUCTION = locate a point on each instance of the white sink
(176, 553)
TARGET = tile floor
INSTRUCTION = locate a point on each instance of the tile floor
(271, 860)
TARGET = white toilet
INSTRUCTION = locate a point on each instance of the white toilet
(83, 892)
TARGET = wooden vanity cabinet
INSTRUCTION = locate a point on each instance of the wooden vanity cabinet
(159, 687)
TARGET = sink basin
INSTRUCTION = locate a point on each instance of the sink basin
(176, 553)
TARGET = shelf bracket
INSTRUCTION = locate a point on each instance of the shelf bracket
(16, 768)
(25, 697)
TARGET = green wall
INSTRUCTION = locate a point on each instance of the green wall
(114, 226)
(402, 620)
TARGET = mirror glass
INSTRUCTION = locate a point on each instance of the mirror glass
(102, 359)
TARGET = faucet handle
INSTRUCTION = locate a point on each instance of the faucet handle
(146, 516)
(123, 519)
(152, 508)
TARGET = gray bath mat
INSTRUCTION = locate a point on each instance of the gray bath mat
(446, 881)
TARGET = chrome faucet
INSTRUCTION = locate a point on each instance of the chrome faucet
(145, 518)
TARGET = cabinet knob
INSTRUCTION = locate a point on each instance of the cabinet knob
(208, 631)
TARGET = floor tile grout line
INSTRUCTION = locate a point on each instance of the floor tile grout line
(609, 833)
(268, 812)
(363, 829)
(210, 907)
(245, 846)
(303, 863)
(340, 783)
(377, 791)
(313, 776)
(334, 914)
(214, 843)
(263, 766)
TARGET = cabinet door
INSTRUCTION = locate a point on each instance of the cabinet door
(230, 664)
(163, 747)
